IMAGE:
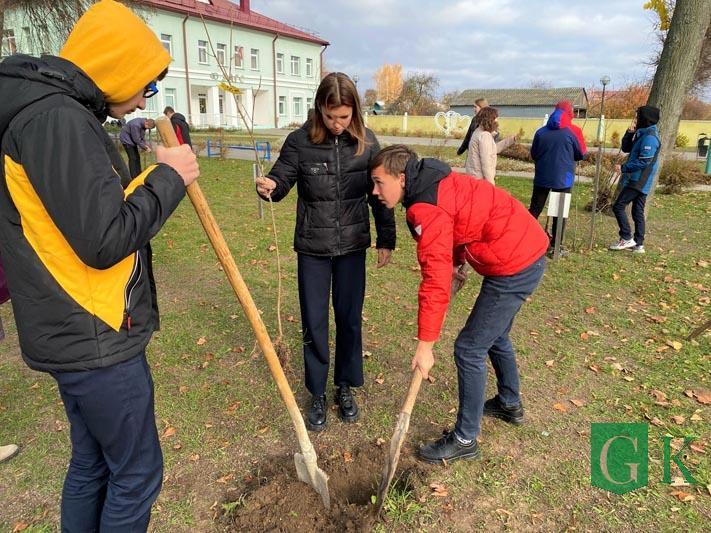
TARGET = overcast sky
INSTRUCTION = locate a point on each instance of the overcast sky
(481, 43)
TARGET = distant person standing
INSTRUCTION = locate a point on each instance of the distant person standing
(641, 141)
(555, 149)
(483, 149)
(133, 137)
(180, 125)
(479, 104)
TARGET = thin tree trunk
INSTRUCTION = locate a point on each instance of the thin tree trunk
(677, 66)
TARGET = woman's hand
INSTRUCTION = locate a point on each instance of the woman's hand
(384, 257)
(265, 186)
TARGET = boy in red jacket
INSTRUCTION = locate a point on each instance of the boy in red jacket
(454, 220)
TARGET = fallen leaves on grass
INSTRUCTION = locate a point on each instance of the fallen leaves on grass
(550, 362)
(347, 457)
(660, 397)
(560, 407)
(195, 457)
(675, 344)
(201, 341)
(696, 417)
(439, 490)
(20, 526)
(703, 396)
(577, 403)
(678, 419)
(169, 432)
(594, 368)
(379, 441)
(225, 479)
(683, 496)
(380, 379)
(590, 310)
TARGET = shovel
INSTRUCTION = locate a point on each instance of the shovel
(403, 422)
(306, 467)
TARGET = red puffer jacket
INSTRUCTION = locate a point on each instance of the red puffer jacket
(454, 219)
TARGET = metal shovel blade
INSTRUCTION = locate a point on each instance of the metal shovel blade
(403, 423)
(309, 472)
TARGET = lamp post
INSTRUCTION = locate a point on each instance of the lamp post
(598, 164)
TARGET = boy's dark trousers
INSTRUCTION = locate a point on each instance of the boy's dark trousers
(538, 202)
(486, 333)
(116, 469)
(134, 159)
(638, 199)
(344, 275)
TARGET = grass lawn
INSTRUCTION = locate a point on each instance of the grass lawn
(603, 339)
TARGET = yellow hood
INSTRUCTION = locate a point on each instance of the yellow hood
(116, 50)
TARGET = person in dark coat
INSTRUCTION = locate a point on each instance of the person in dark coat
(75, 234)
(133, 138)
(180, 125)
(555, 149)
(328, 160)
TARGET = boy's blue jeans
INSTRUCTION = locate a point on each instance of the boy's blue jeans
(116, 468)
(486, 333)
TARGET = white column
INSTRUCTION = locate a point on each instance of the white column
(247, 103)
(213, 107)
(231, 115)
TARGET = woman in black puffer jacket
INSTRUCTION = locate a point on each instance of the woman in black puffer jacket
(328, 159)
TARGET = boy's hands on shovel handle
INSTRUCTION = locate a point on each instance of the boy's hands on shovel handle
(265, 186)
(459, 276)
(181, 159)
(424, 358)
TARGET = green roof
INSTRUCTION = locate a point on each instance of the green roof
(523, 97)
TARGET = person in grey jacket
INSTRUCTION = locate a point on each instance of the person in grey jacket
(133, 137)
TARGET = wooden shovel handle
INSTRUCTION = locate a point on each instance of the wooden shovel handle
(165, 128)
(415, 383)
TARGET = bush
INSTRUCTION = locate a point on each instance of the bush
(518, 151)
(681, 141)
(676, 174)
(615, 139)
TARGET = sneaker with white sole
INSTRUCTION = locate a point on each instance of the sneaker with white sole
(623, 244)
(638, 249)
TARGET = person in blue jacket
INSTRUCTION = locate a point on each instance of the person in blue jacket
(554, 150)
(641, 141)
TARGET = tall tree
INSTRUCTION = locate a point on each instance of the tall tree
(49, 21)
(678, 64)
(418, 95)
(677, 68)
(388, 82)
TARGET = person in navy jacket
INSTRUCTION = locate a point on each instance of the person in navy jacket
(457, 220)
(641, 141)
(555, 149)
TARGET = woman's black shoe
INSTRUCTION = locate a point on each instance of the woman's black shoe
(448, 448)
(347, 407)
(316, 417)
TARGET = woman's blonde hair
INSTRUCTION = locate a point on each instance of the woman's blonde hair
(335, 90)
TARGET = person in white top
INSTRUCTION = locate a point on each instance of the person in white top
(483, 149)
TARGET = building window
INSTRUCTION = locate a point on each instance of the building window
(239, 56)
(309, 103)
(221, 103)
(295, 66)
(280, 63)
(297, 111)
(221, 53)
(254, 59)
(167, 41)
(202, 52)
(309, 67)
(282, 106)
(9, 46)
(151, 105)
(169, 95)
(202, 103)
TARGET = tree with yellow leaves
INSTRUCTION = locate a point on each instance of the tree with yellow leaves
(388, 82)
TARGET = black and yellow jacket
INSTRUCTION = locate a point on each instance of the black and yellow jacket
(74, 233)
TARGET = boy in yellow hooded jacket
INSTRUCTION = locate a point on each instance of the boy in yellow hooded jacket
(75, 233)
